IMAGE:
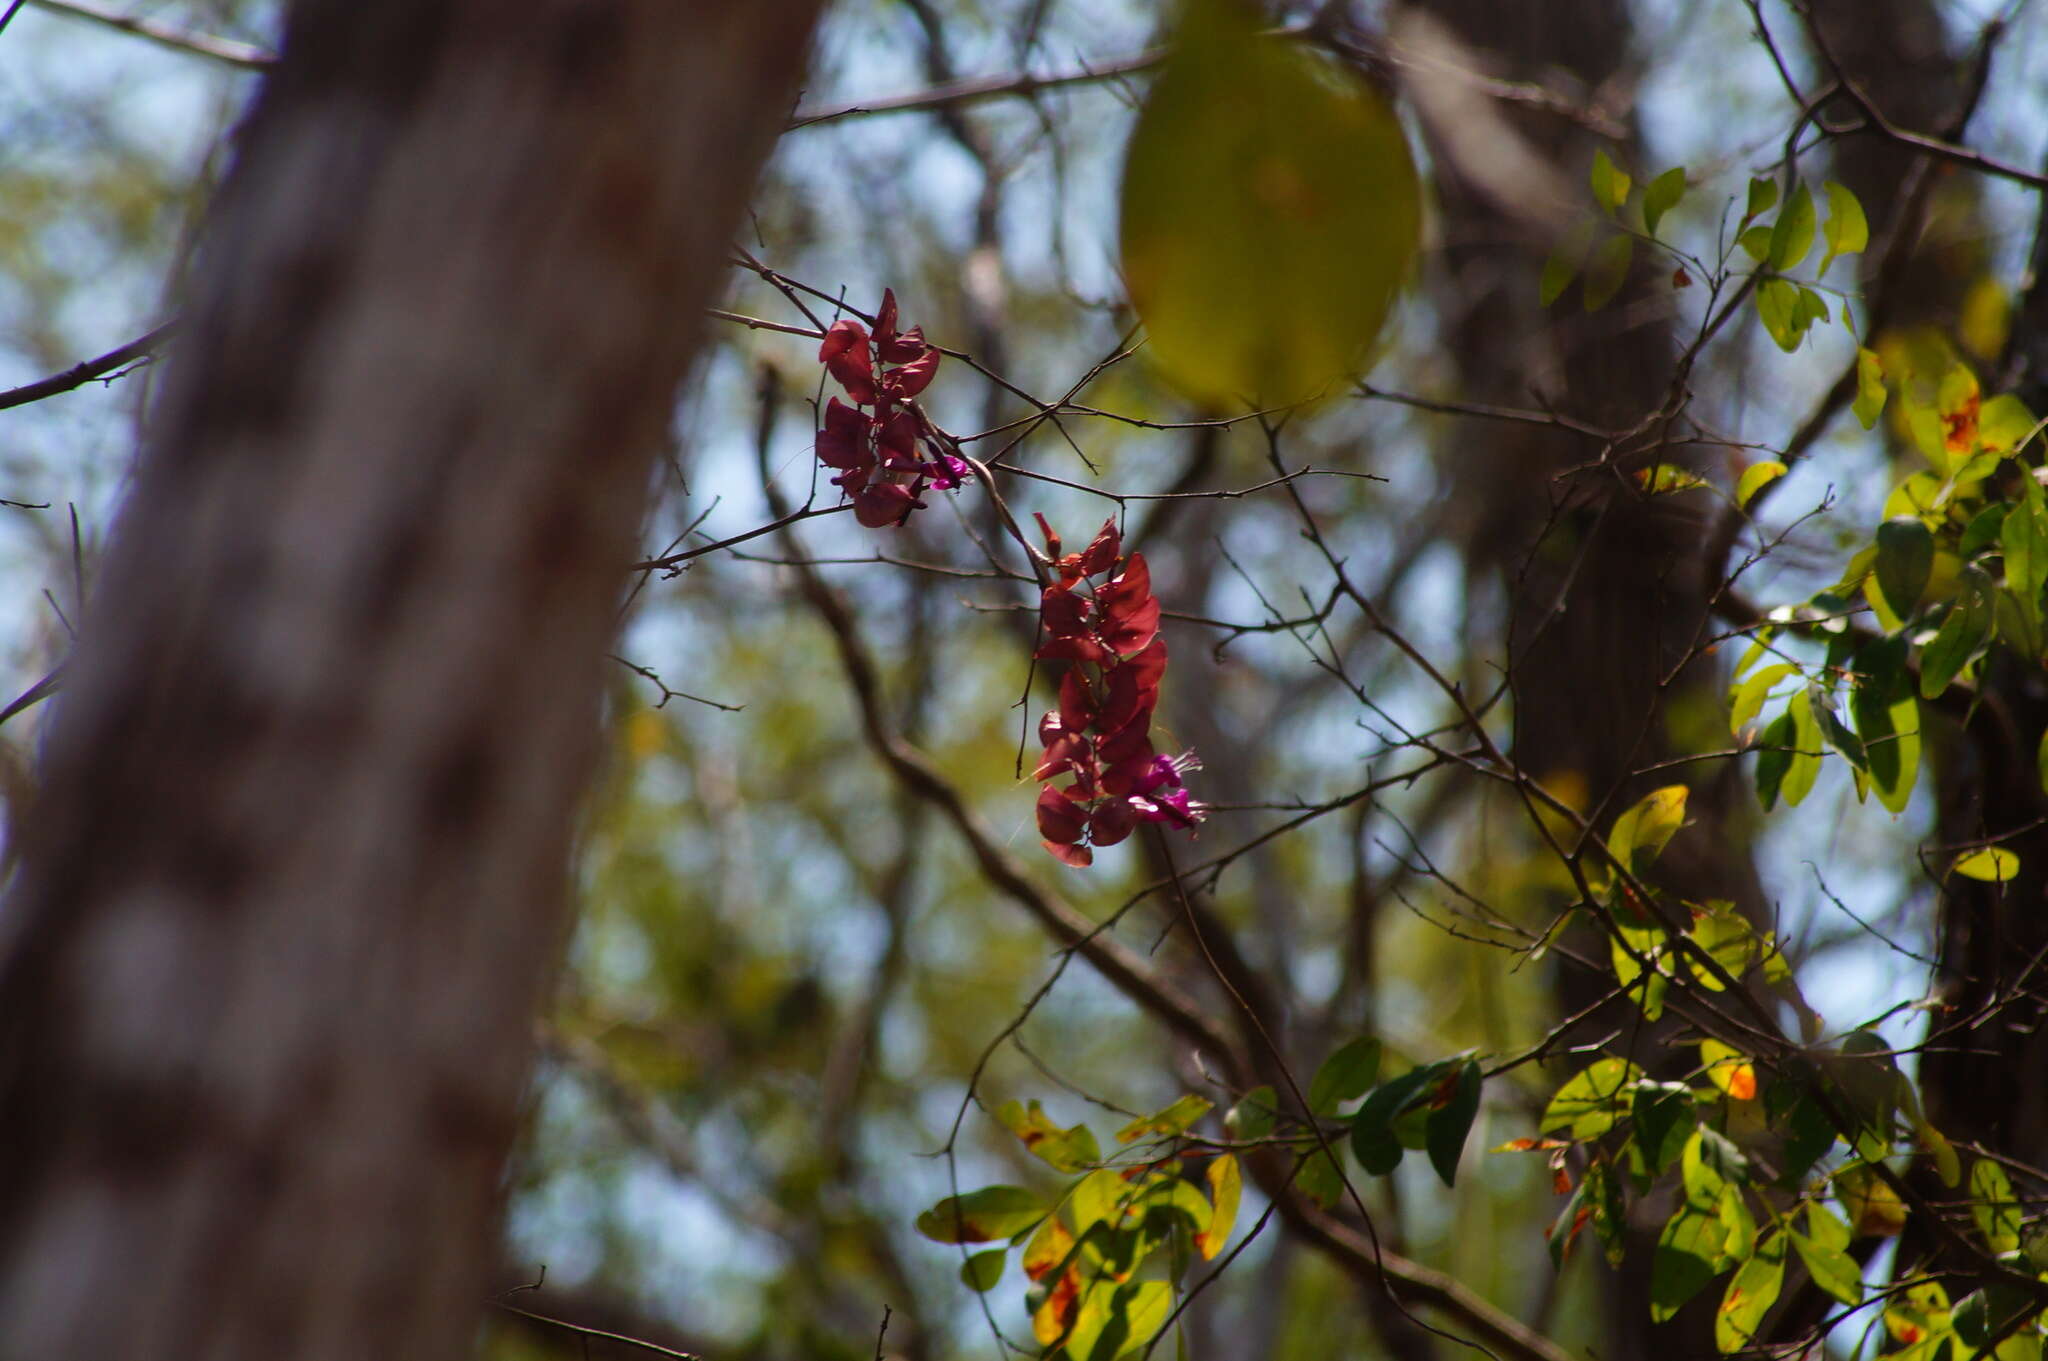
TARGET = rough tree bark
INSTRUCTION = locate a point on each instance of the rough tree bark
(296, 878)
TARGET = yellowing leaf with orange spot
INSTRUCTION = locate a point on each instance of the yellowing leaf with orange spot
(1729, 1070)
(1050, 1323)
(1048, 1247)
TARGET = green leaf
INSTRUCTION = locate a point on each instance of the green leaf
(1983, 529)
(1707, 1164)
(1887, 713)
(1832, 1269)
(1848, 231)
(1374, 1139)
(1755, 478)
(1069, 1150)
(1777, 305)
(1905, 560)
(1808, 1131)
(1346, 1074)
(1812, 309)
(1687, 1257)
(1751, 1292)
(1168, 1121)
(1826, 1228)
(1803, 765)
(1253, 1115)
(1606, 272)
(1775, 748)
(1991, 864)
(1870, 390)
(1722, 932)
(1593, 1099)
(1792, 237)
(1610, 183)
(1664, 1122)
(984, 1270)
(1450, 1123)
(1661, 195)
(1763, 196)
(1963, 633)
(1993, 1206)
(1322, 1181)
(1641, 833)
(982, 1216)
(1565, 1228)
(1260, 272)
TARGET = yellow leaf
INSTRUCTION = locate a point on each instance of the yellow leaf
(1992, 864)
(1270, 213)
(1226, 1184)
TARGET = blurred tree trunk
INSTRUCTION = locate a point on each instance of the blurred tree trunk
(1601, 589)
(296, 878)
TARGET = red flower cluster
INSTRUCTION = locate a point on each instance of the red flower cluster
(1101, 732)
(877, 454)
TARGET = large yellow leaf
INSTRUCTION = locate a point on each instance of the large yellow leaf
(1270, 213)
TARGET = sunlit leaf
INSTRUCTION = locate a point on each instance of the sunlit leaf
(1270, 213)
(1992, 864)
(1750, 1294)
(1792, 236)
(1755, 478)
(2003, 423)
(1641, 833)
(1593, 1099)
(1847, 231)
(1687, 1256)
(1993, 1206)
(1729, 1070)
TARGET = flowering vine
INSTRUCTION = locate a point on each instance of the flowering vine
(1101, 733)
(877, 453)
(1099, 739)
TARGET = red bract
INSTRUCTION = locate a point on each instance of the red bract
(843, 443)
(877, 453)
(1101, 733)
(845, 356)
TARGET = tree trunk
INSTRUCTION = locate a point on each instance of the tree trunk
(296, 879)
